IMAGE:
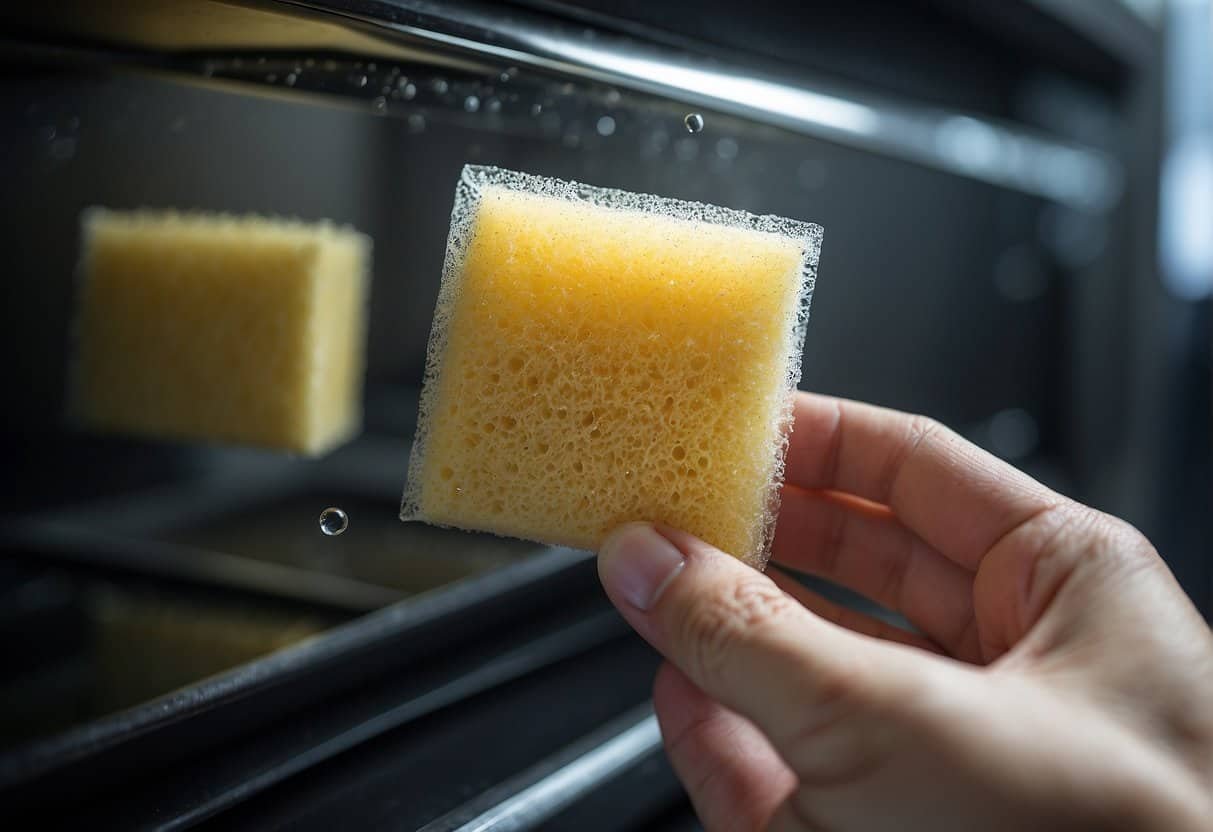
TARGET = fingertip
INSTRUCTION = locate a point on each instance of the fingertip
(636, 564)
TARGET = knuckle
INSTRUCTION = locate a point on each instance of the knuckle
(1102, 536)
(721, 622)
(918, 429)
(1082, 547)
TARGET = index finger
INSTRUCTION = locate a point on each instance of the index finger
(955, 496)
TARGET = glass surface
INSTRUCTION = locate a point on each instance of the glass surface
(132, 565)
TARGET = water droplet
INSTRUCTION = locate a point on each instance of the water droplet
(508, 75)
(439, 86)
(291, 78)
(686, 150)
(360, 81)
(605, 126)
(612, 97)
(272, 78)
(371, 67)
(694, 122)
(379, 105)
(416, 123)
(403, 81)
(471, 103)
(654, 143)
(333, 521)
(386, 89)
(571, 139)
(536, 109)
(493, 105)
(726, 148)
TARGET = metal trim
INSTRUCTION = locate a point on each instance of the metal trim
(958, 143)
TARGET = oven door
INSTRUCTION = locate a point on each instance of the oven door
(182, 646)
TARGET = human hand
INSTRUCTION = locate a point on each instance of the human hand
(1060, 678)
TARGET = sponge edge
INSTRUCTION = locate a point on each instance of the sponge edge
(520, 483)
(220, 328)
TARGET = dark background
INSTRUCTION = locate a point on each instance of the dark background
(1046, 332)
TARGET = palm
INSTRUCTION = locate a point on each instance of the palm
(980, 559)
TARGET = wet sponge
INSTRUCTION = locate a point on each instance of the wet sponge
(599, 356)
(217, 328)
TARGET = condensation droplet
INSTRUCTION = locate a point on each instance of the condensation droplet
(409, 92)
(605, 126)
(686, 150)
(291, 78)
(272, 78)
(726, 148)
(379, 105)
(439, 86)
(536, 109)
(493, 105)
(693, 122)
(334, 521)
(471, 103)
(416, 123)
(361, 81)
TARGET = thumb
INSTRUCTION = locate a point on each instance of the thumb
(821, 694)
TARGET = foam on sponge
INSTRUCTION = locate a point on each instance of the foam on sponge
(219, 328)
(599, 356)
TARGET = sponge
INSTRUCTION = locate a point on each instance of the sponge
(223, 329)
(599, 356)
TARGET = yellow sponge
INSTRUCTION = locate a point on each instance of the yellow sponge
(599, 356)
(218, 328)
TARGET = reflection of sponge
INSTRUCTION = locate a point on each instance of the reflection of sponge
(219, 328)
(599, 357)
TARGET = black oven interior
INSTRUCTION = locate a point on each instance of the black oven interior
(990, 260)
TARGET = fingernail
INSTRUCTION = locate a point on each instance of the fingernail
(637, 563)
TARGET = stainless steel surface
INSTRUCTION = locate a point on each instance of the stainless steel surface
(959, 143)
(471, 34)
(535, 797)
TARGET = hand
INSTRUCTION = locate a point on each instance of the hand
(1059, 677)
